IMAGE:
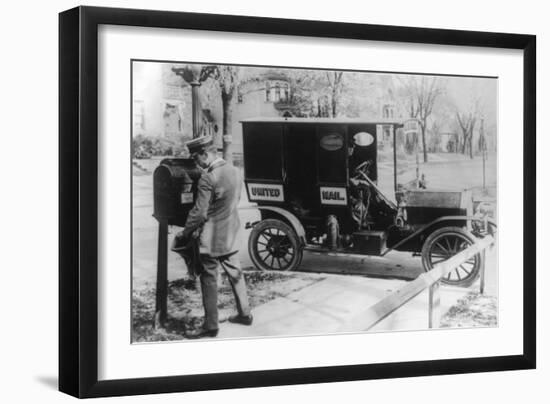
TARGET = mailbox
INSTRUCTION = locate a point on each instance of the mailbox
(175, 188)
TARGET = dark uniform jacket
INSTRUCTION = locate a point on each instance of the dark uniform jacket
(219, 191)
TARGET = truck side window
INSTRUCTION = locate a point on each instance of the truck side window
(262, 145)
(332, 152)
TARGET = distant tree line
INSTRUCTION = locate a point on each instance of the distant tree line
(320, 93)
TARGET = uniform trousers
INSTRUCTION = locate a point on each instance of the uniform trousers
(209, 286)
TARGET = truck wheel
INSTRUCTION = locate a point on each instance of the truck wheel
(446, 242)
(274, 245)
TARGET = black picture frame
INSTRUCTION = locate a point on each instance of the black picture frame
(78, 200)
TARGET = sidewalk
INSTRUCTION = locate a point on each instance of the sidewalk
(325, 306)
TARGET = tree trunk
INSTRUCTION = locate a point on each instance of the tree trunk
(227, 127)
(196, 109)
(424, 150)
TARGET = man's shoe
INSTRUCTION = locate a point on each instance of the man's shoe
(202, 333)
(239, 319)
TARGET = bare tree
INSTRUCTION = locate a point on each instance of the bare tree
(467, 122)
(421, 95)
(435, 139)
(316, 93)
(326, 93)
(227, 79)
(304, 92)
(335, 86)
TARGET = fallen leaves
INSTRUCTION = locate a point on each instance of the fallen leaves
(185, 310)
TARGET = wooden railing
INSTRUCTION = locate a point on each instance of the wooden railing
(431, 279)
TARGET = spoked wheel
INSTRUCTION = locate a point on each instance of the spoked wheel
(446, 242)
(274, 245)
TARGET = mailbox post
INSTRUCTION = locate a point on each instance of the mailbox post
(174, 191)
(162, 275)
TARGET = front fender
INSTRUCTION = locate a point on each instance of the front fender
(433, 223)
(288, 217)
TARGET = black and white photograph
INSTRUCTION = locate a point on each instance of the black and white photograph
(270, 201)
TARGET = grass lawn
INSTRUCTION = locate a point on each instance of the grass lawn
(474, 310)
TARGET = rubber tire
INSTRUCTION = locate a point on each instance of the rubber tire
(288, 231)
(461, 232)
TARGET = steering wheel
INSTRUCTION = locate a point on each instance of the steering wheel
(363, 167)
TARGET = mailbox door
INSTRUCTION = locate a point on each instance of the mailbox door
(175, 188)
